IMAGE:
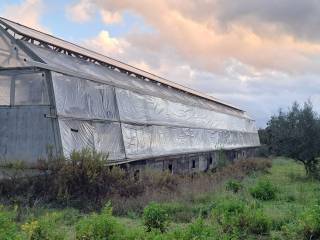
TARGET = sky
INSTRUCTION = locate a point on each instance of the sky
(255, 54)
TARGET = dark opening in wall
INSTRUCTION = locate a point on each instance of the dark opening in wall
(136, 175)
(170, 168)
(210, 160)
(193, 163)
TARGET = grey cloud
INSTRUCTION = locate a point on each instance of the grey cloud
(297, 17)
(259, 74)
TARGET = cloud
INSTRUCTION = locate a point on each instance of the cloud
(110, 17)
(85, 10)
(208, 43)
(295, 17)
(107, 44)
(256, 54)
(27, 12)
(80, 12)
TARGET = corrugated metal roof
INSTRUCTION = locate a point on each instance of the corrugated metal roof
(49, 39)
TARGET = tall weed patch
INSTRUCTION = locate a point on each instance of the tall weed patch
(264, 190)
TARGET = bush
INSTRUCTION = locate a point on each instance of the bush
(234, 186)
(155, 217)
(306, 227)
(240, 219)
(230, 207)
(8, 228)
(228, 213)
(198, 230)
(44, 228)
(258, 222)
(83, 181)
(310, 223)
(263, 190)
(98, 226)
(81, 175)
(263, 151)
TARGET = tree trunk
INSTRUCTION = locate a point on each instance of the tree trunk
(306, 167)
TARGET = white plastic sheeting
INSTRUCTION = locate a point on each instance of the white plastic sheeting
(108, 139)
(147, 109)
(122, 80)
(151, 126)
(10, 54)
(76, 135)
(145, 141)
(5, 86)
(155, 120)
(83, 99)
(124, 116)
(103, 137)
(30, 88)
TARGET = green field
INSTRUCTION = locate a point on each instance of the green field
(281, 203)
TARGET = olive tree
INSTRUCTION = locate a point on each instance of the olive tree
(296, 134)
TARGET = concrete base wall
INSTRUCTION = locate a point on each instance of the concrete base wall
(188, 163)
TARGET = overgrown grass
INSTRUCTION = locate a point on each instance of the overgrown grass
(227, 211)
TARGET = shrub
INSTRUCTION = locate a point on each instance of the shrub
(263, 151)
(230, 207)
(160, 180)
(84, 180)
(263, 190)
(98, 226)
(291, 230)
(198, 230)
(234, 186)
(307, 226)
(222, 158)
(228, 213)
(258, 222)
(179, 212)
(8, 228)
(310, 223)
(238, 218)
(155, 217)
(80, 175)
(44, 228)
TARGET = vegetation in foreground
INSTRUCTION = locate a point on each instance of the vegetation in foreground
(279, 204)
(295, 134)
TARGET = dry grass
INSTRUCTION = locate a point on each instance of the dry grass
(165, 187)
(86, 183)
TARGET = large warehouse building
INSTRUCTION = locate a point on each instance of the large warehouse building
(59, 96)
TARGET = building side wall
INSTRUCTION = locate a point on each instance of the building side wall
(26, 134)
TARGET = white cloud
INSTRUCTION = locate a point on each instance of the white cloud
(110, 17)
(82, 11)
(27, 12)
(85, 10)
(106, 44)
(250, 59)
(196, 33)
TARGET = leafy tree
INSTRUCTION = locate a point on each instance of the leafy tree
(296, 134)
(264, 135)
